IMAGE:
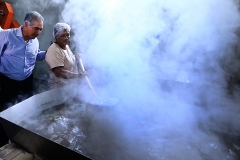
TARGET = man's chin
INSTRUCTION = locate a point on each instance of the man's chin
(33, 37)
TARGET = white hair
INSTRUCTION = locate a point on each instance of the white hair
(31, 16)
(59, 27)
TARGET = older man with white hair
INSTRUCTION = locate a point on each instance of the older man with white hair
(19, 50)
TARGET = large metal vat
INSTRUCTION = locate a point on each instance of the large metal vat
(51, 127)
(37, 144)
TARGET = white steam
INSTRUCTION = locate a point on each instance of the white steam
(167, 62)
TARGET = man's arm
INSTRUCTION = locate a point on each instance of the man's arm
(41, 55)
(2, 43)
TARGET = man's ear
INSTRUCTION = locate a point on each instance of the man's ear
(26, 24)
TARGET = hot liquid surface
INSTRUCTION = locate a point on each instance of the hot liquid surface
(90, 131)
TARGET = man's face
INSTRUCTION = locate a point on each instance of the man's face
(35, 29)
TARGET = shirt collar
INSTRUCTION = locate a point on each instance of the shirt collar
(19, 31)
(20, 34)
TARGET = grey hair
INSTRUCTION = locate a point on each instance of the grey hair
(31, 16)
(59, 27)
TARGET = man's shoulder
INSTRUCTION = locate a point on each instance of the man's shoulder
(10, 31)
(4, 34)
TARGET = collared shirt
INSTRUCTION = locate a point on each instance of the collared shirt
(17, 57)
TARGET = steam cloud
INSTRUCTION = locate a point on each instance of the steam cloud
(168, 63)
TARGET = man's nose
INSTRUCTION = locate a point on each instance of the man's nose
(39, 31)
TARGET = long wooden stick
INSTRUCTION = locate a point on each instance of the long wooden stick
(89, 84)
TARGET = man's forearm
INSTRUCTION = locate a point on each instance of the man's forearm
(41, 55)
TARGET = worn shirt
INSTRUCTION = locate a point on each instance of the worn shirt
(17, 57)
(57, 57)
